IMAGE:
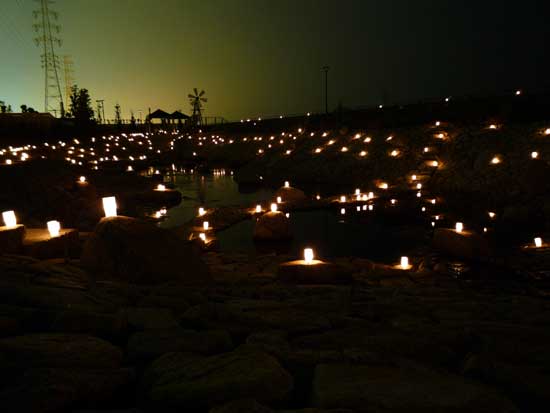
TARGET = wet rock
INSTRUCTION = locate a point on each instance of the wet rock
(272, 226)
(11, 239)
(465, 245)
(151, 344)
(59, 351)
(366, 388)
(127, 249)
(179, 380)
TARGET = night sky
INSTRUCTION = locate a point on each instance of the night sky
(264, 57)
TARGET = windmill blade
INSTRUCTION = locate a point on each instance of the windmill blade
(204, 99)
(202, 93)
(195, 90)
(191, 96)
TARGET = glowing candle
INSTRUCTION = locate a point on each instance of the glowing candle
(418, 194)
(130, 169)
(437, 123)
(343, 211)
(287, 215)
(534, 155)
(205, 225)
(82, 179)
(258, 208)
(394, 153)
(393, 201)
(358, 208)
(418, 186)
(371, 195)
(201, 211)
(54, 227)
(371, 207)
(279, 199)
(287, 184)
(413, 177)
(495, 160)
(161, 187)
(109, 206)
(492, 215)
(384, 186)
(342, 198)
(308, 255)
(538, 242)
(318, 197)
(459, 227)
(9, 219)
(357, 191)
(273, 207)
(405, 263)
(547, 131)
(202, 236)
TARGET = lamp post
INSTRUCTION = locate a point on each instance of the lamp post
(326, 69)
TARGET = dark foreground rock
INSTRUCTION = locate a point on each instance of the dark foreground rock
(131, 250)
(367, 388)
(187, 381)
(272, 226)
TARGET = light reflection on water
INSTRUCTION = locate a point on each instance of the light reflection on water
(209, 191)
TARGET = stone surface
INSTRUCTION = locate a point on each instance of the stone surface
(127, 249)
(367, 388)
(466, 245)
(291, 195)
(151, 344)
(272, 226)
(144, 318)
(39, 244)
(319, 272)
(178, 380)
(11, 239)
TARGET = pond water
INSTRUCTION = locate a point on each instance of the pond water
(358, 234)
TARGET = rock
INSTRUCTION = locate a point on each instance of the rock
(58, 389)
(149, 318)
(527, 386)
(366, 388)
(178, 380)
(291, 195)
(138, 252)
(319, 272)
(11, 239)
(252, 406)
(272, 226)
(39, 244)
(151, 344)
(59, 351)
(465, 245)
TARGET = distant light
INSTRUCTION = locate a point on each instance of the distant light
(161, 187)
(109, 206)
(538, 242)
(492, 215)
(518, 92)
(205, 225)
(534, 155)
(437, 123)
(459, 227)
(258, 208)
(343, 211)
(273, 207)
(279, 199)
(495, 160)
(492, 126)
(405, 263)
(394, 153)
(363, 153)
(202, 236)
(53, 228)
(287, 184)
(344, 149)
(201, 211)
(342, 198)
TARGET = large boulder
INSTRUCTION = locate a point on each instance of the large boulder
(370, 388)
(272, 226)
(139, 252)
(318, 272)
(182, 380)
(11, 239)
(291, 195)
(466, 245)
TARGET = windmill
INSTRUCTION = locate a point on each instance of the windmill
(196, 101)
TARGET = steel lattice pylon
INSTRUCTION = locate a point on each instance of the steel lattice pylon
(53, 99)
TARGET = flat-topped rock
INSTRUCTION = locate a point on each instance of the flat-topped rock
(291, 195)
(11, 239)
(467, 245)
(139, 252)
(318, 272)
(39, 244)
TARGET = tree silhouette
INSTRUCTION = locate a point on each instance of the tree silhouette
(80, 106)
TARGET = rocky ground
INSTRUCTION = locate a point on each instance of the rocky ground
(388, 340)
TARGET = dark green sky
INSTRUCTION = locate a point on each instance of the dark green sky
(263, 57)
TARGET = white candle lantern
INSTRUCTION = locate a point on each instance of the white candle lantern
(205, 225)
(258, 209)
(343, 211)
(201, 211)
(538, 242)
(109, 206)
(274, 207)
(54, 227)
(279, 199)
(357, 192)
(405, 263)
(82, 179)
(459, 227)
(161, 187)
(342, 198)
(308, 255)
(9, 219)
(202, 236)
(287, 184)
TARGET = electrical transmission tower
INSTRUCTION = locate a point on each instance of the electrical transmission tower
(68, 73)
(100, 111)
(47, 38)
(118, 120)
